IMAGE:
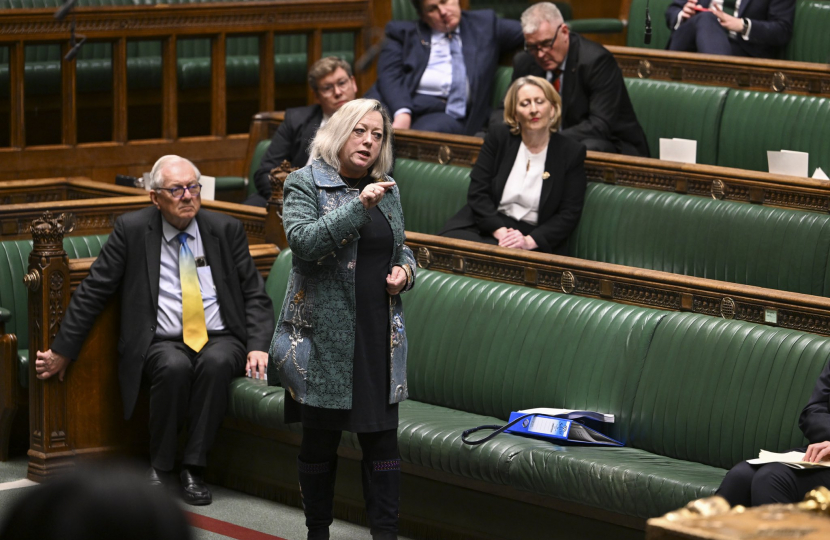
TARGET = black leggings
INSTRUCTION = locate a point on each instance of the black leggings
(320, 445)
(753, 485)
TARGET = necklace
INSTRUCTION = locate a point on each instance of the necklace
(350, 186)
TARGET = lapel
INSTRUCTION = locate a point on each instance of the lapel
(469, 50)
(213, 254)
(422, 50)
(553, 157)
(569, 82)
(512, 150)
(152, 247)
(742, 10)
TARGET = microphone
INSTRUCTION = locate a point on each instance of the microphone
(64, 10)
(73, 52)
(647, 35)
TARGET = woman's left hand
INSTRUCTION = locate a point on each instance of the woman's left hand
(515, 239)
(396, 281)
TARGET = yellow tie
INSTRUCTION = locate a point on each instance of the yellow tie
(194, 330)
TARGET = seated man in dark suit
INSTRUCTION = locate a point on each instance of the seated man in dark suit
(758, 28)
(596, 109)
(194, 314)
(334, 85)
(437, 74)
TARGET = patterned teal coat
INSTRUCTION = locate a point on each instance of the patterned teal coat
(313, 344)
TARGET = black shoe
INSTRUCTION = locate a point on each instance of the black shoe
(154, 478)
(381, 491)
(194, 490)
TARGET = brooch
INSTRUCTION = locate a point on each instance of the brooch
(545, 175)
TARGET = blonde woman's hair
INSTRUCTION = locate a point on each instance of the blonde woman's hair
(511, 100)
(333, 136)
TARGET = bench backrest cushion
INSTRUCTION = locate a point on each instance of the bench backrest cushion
(277, 282)
(492, 348)
(430, 193)
(696, 236)
(679, 110)
(810, 41)
(755, 122)
(14, 263)
(256, 161)
(716, 391)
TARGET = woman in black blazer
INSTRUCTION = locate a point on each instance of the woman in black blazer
(527, 187)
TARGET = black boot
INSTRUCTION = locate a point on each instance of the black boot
(317, 492)
(381, 491)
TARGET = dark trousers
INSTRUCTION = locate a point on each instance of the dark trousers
(191, 387)
(320, 445)
(754, 485)
(428, 114)
(703, 33)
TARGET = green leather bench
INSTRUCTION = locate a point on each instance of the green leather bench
(692, 396)
(14, 299)
(683, 234)
(810, 41)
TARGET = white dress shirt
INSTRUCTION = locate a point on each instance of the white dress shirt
(169, 319)
(520, 199)
(437, 77)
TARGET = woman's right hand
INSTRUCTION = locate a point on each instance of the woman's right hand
(688, 9)
(373, 193)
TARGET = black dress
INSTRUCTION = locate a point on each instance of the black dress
(371, 410)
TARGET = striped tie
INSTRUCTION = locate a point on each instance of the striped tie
(194, 330)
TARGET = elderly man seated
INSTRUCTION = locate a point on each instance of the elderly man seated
(194, 314)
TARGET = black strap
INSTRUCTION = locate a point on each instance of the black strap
(497, 430)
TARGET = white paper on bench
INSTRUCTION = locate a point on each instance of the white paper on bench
(681, 150)
(789, 162)
(790, 459)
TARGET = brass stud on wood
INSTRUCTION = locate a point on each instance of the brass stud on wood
(568, 283)
(444, 154)
(644, 69)
(424, 257)
(780, 81)
(458, 264)
(718, 189)
(727, 308)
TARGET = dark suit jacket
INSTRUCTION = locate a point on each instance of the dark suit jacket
(291, 142)
(595, 102)
(405, 54)
(563, 193)
(772, 24)
(815, 418)
(130, 261)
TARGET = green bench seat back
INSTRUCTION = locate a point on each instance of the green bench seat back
(430, 193)
(637, 24)
(755, 122)
(277, 282)
(14, 263)
(685, 111)
(504, 74)
(462, 357)
(716, 391)
(810, 41)
(256, 160)
(697, 236)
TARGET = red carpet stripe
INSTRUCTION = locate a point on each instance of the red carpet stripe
(227, 529)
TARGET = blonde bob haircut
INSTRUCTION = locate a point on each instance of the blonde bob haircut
(511, 100)
(331, 138)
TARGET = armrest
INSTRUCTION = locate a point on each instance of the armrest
(597, 26)
(5, 315)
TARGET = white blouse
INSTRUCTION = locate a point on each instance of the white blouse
(520, 199)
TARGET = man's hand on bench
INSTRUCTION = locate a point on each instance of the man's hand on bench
(48, 363)
(256, 365)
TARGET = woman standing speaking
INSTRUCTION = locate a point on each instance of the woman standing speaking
(340, 345)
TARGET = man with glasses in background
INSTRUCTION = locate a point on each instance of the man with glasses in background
(194, 314)
(334, 85)
(596, 109)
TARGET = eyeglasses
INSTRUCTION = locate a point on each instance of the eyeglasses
(178, 192)
(543, 46)
(328, 89)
